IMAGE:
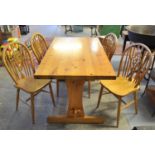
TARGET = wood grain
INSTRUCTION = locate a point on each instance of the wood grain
(75, 58)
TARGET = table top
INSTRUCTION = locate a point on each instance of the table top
(75, 58)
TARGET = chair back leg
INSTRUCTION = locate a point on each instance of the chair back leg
(118, 111)
(32, 109)
(89, 88)
(99, 98)
(17, 98)
(57, 85)
(51, 93)
(136, 101)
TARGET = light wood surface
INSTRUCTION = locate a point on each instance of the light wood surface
(135, 62)
(19, 65)
(76, 120)
(75, 60)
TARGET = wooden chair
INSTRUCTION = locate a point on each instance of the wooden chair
(19, 65)
(68, 28)
(124, 35)
(109, 43)
(93, 30)
(134, 64)
(39, 47)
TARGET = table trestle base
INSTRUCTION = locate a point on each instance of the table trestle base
(75, 120)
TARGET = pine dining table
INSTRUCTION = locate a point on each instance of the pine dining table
(75, 60)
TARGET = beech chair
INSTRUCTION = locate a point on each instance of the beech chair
(109, 43)
(68, 28)
(18, 63)
(124, 35)
(134, 64)
(39, 47)
(93, 30)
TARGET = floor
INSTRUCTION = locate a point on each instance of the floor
(54, 30)
(21, 119)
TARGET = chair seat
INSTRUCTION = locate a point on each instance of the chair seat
(32, 85)
(120, 87)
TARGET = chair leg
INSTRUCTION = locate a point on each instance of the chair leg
(124, 44)
(136, 101)
(57, 85)
(65, 29)
(99, 98)
(52, 96)
(118, 110)
(89, 88)
(91, 31)
(17, 98)
(95, 31)
(32, 109)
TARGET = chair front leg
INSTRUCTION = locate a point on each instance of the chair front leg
(51, 93)
(32, 108)
(89, 88)
(17, 98)
(99, 98)
(118, 111)
(136, 101)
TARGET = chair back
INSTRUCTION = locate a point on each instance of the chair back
(39, 46)
(135, 63)
(109, 44)
(17, 61)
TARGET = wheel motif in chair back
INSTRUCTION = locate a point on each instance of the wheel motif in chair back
(109, 43)
(135, 63)
(18, 61)
(39, 46)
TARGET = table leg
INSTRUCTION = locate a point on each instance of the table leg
(75, 112)
(75, 91)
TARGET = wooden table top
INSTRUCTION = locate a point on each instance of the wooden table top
(75, 58)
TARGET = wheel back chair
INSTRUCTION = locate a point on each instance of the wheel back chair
(109, 43)
(39, 47)
(18, 63)
(134, 64)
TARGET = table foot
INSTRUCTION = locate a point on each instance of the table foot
(75, 120)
